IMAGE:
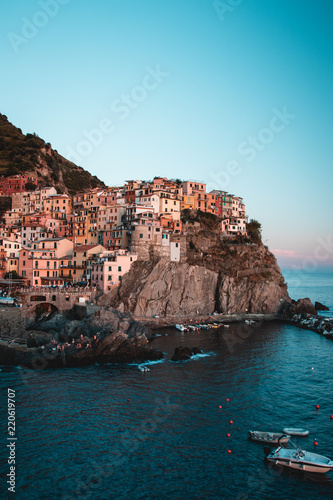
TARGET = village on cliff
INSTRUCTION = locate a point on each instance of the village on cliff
(53, 239)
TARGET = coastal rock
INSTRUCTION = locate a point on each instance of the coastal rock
(120, 339)
(248, 296)
(244, 279)
(37, 339)
(184, 353)
(303, 306)
(169, 289)
(321, 307)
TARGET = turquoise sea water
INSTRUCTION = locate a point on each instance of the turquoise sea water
(114, 432)
(318, 286)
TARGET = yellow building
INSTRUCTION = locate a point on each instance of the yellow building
(187, 202)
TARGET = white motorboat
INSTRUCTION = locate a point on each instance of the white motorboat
(294, 431)
(143, 368)
(182, 328)
(268, 437)
(299, 459)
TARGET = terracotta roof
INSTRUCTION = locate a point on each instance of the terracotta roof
(84, 248)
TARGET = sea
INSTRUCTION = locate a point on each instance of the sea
(179, 430)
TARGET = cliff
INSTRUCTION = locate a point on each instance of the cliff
(21, 154)
(213, 275)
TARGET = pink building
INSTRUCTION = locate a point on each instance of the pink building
(109, 268)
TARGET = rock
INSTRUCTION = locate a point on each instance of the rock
(184, 353)
(37, 339)
(218, 278)
(121, 340)
(321, 307)
(304, 306)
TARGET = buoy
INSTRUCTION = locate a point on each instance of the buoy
(229, 451)
(227, 399)
(315, 443)
(317, 407)
(332, 416)
(230, 422)
(228, 434)
(312, 368)
(127, 400)
(148, 386)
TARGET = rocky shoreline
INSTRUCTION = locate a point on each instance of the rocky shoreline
(92, 334)
(318, 324)
(81, 336)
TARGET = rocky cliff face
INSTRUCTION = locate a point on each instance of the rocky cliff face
(213, 275)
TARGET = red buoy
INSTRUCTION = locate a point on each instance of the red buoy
(229, 451)
(332, 416)
(228, 434)
(227, 399)
(127, 400)
(315, 443)
(220, 407)
(230, 422)
(317, 407)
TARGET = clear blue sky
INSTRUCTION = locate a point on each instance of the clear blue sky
(234, 93)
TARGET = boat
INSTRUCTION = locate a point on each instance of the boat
(7, 301)
(143, 368)
(293, 431)
(180, 327)
(299, 459)
(268, 437)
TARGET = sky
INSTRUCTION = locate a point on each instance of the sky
(234, 93)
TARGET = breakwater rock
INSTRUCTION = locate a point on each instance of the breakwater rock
(321, 307)
(184, 353)
(319, 324)
(81, 337)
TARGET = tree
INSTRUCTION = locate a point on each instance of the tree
(12, 275)
(30, 186)
(254, 230)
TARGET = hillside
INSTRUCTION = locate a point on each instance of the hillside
(21, 153)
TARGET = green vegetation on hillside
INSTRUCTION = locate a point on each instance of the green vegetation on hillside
(254, 230)
(21, 153)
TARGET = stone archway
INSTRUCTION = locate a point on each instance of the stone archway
(44, 311)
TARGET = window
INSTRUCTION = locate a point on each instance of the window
(141, 235)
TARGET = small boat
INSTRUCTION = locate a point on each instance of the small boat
(293, 431)
(268, 437)
(143, 368)
(250, 322)
(180, 327)
(299, 459)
